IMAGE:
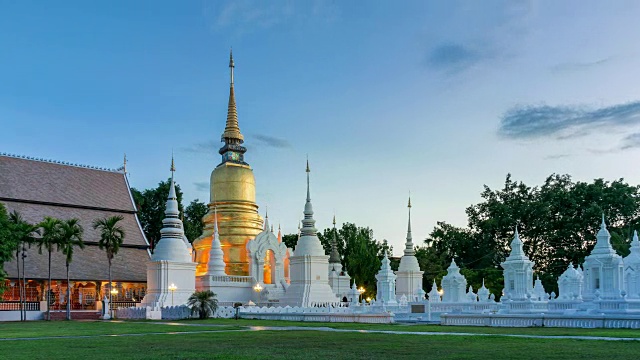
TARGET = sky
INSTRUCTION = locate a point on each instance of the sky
(429, 98)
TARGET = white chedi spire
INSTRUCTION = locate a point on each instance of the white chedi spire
(308, 242)
(409, 262)
(603, 240)
(171, 246)
(517, 249)
(408, 248)
(216, 265)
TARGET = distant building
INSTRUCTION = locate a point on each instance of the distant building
(36, 189)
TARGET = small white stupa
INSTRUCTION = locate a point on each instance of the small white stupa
(454, 285)
(603, 269)
(309, 263)
(171, 274)
(339, 280)
(518, 272)
(216, 265)
(570, 284)
(632, 269)
(386, 283)
(409, 276)
(434, 295)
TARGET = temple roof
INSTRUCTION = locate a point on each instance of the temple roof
(37, 189)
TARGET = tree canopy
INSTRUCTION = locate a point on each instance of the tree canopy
(557, 222)
(151, 204)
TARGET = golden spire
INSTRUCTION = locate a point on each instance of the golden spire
(232, 130)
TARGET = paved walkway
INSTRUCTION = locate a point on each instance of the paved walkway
(325, 329)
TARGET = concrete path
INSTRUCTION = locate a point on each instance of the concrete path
(324, 329)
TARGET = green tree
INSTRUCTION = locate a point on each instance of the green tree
(8, 243)
(70, 238)
(51, 233)
(557, 221)
(151, 204)
(290, 240)
(204, 303)
(193, 215)
(111, 238)
(361, 254)
(23, 233)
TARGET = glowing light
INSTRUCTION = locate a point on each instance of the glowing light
(257, 288)
(361, 290)
(440, 292)
(368, 299)
(173, 287)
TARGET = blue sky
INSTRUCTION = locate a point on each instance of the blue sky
(436, 98)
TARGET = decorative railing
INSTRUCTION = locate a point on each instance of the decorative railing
(232, 278)
(123, 304)
(16, 306)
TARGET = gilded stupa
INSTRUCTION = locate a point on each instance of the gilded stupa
(232, 200)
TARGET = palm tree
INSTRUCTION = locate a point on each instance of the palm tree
(111, 237)
(204, 303)
(23, 233)
(51, 229)
(70, 237)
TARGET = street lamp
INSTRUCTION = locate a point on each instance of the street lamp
(114, 292)
(258, 288)
(361, 291)
(173, 289)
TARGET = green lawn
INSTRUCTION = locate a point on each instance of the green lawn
(627, 333)
(220, 343)
(74, 328)
(315, 345)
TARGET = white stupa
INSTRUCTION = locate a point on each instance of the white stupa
(632, 269)
(309, 263)
(339, 279)
(518, 272)
(409, 276)
(386, 283)
(216, 265)
(603, 269)
(570, 284)
(171, 274)
(454, 284)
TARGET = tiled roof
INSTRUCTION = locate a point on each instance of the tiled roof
(63, 184)
(37, 189)
(34, 213)
(88, 264)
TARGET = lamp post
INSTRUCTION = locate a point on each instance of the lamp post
(114, 292)
(361, 291)
(173, 289)
(258, 288)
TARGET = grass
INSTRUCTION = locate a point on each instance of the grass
(224, 344)
(81, 328)
(626, 333)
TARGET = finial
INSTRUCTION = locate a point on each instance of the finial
(124, 166)
(231, 64)
(409, 205)
(516, 233)
(173, 166)
(215, 218)
(334, 220)
(308, 191)
(271, 227)
(604, 225)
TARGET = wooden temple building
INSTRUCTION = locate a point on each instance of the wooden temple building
(38, 188)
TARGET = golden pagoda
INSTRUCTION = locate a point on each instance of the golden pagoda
(233, 199)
